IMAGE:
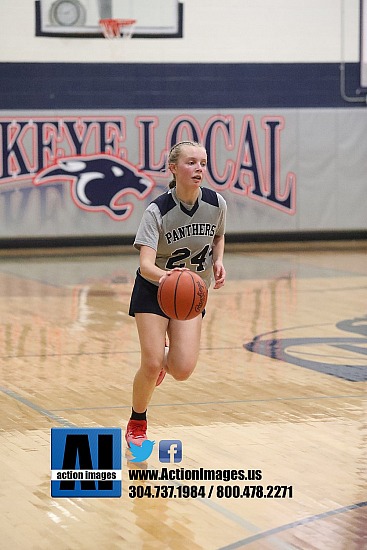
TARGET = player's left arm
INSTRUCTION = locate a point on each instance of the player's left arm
(218, 267)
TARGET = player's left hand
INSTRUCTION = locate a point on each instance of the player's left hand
(219, 275)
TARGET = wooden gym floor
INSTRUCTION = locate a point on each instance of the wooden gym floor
(281, 387)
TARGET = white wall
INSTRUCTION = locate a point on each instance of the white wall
(223, 31)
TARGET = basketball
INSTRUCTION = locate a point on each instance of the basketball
(182, 295)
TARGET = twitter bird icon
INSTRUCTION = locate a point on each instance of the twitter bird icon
(141, 453)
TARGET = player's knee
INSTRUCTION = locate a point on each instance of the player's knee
(152, 367)
(181, 372)
(181, 376)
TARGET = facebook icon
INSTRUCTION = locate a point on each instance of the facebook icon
(170, 450)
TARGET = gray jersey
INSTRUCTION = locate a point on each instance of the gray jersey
(183, 236)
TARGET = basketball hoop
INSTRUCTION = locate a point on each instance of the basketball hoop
(117, 28)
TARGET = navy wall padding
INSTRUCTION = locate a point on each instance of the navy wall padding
(217, 86)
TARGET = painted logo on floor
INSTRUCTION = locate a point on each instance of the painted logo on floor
(340, 356)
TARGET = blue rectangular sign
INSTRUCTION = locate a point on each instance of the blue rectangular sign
(86, 462)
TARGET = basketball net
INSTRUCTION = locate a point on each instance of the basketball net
(117, 28)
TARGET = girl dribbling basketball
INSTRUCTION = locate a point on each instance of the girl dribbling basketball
(182, 229)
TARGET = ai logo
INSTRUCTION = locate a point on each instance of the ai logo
(86, 462)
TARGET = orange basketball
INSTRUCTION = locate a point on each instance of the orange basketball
(182, 295)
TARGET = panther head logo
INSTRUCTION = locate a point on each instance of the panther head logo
(99, 182)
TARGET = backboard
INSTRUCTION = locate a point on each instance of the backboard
(80, 18)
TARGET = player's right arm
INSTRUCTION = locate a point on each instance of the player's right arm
(146, 241)
(148, 267)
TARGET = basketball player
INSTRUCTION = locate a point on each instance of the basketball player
(182, 229)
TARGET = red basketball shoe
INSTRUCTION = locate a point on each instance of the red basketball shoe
(136, 432)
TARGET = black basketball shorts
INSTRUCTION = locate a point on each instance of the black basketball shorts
(144, 298)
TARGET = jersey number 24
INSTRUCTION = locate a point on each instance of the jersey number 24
(179, 257)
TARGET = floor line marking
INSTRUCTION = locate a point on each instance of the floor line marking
(40, 410)
(287, 526)
(229, 402)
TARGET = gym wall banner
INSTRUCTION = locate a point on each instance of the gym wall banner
(89, 174)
